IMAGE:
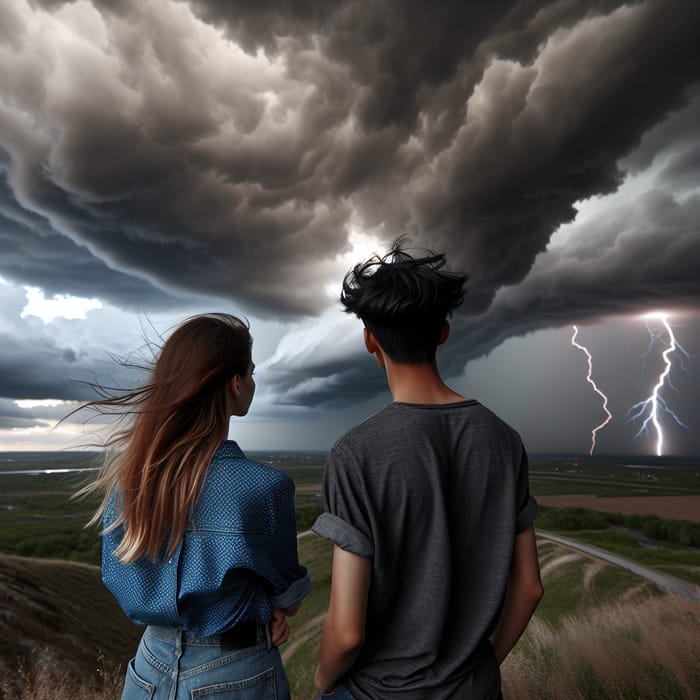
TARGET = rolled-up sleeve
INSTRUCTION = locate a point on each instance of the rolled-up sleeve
(343, 534)
(527, 505)
(344, 521)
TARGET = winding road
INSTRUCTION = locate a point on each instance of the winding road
(669, 583)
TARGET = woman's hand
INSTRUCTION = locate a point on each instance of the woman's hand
(279, 627)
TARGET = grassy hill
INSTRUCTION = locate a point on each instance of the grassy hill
(61, 625)
(600, 633)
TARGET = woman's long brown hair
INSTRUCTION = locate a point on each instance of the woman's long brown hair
(156, 464)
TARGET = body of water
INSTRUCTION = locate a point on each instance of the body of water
(41, 463)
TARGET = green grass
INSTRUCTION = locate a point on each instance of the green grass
(308, 508)
(666, 531)
(38, 518)
(575, 584)
(300, 654)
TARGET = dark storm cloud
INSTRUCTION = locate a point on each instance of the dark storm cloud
(344, 383)
(36, 255)
(633, 252)
(641, 258)
(150, 154)
(163, 149)
(556, 138)
(138, 131)
(524, 109)
(40, 370)
(13, 416)
(387, 48)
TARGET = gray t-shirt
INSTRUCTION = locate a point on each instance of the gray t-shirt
(434, 495)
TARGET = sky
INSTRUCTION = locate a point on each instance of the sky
(162, 158)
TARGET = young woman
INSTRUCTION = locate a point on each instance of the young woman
(199, 542)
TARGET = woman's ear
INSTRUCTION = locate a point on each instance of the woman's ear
(233, 391)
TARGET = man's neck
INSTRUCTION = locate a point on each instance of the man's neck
(419, 384)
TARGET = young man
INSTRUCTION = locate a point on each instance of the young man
(435, 571)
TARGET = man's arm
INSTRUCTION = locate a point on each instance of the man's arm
(344, 627)
(522, 595)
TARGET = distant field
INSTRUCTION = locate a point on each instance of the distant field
(603, 476)
(38, 518)
(600, 632)
(677, 507)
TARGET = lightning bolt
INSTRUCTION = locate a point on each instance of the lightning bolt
(589, 379)
(654, 336)
(655, 403)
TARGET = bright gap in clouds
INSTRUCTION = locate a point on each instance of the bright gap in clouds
(60, 306)
(363, 247)
(44, 403)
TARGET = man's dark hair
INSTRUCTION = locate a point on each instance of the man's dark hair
(404, 300)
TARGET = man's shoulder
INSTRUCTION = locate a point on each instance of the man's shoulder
(487, 416)
(406, 423)
(358, 433)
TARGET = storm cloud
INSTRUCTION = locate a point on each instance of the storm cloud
(161, 154)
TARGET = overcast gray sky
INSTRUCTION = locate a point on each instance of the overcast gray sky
(160, 158)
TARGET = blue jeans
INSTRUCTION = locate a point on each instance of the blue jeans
(170, 666)
(340, 692)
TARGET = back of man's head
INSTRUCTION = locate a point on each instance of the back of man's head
(404, 301)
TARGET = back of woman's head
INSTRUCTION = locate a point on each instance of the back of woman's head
(197, 360)
(177, 421)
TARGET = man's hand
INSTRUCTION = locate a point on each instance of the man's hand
(321, 683)
(279, 628)
(522, 595)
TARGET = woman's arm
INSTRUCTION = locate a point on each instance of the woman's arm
(279, 564)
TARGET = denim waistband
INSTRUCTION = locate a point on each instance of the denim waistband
(181, 635)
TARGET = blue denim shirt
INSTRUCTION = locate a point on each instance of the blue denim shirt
(237, 560)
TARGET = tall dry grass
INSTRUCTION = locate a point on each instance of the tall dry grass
(642, 650)
(622, 651)
(44, 682)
